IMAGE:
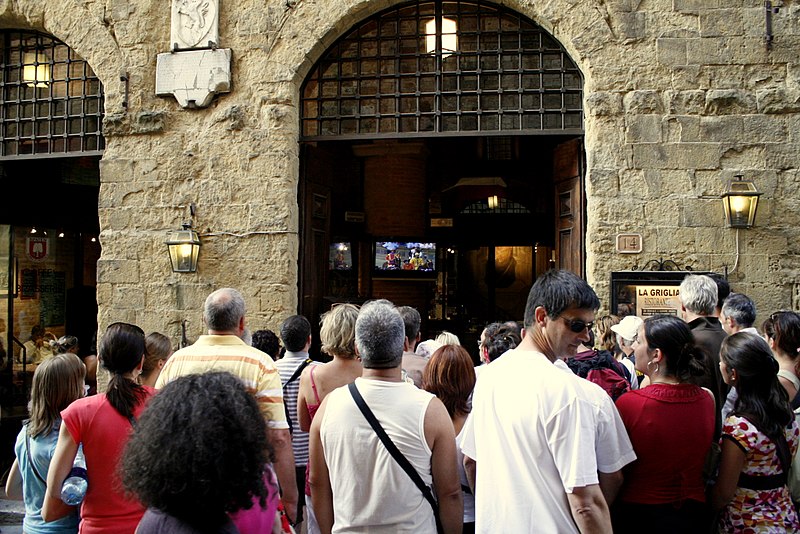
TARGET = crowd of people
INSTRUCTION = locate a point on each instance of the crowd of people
(570, 423)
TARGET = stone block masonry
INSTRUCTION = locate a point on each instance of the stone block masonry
(679, 96)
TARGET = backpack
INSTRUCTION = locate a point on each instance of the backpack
(603, 369)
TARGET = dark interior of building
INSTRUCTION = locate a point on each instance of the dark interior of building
(486, 203)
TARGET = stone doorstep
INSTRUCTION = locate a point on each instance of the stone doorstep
(11, 512)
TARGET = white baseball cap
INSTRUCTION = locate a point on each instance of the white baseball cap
(628, 327)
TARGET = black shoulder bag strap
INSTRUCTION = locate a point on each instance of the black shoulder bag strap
(396, 454)
(292, 379)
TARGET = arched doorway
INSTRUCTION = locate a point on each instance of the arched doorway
(51, 111)
(451, 129)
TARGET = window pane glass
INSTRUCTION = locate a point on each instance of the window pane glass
(501, 73)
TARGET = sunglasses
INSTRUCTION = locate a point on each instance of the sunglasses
(577, 325)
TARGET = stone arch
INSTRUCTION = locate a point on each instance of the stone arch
(75, 25)
(299, 49)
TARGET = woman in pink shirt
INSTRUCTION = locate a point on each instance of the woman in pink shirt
(103, 424)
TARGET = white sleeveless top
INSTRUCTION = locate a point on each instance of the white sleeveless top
(371, 492)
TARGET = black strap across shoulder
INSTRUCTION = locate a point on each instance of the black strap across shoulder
(396, 454)
(292, 378)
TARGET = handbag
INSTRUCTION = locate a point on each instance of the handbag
(711, 465)
(396, 454)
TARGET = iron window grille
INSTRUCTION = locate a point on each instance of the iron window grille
(52, 102)
(504, 74)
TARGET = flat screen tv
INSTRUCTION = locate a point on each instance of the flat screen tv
(398, 258)
(340, 257)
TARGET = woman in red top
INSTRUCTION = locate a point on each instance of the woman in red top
(671, 426)
(103, 424)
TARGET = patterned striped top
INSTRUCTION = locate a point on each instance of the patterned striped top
(229, 353)
(287, 366)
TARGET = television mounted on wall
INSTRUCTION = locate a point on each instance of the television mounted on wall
(340, 256)
(401, 258)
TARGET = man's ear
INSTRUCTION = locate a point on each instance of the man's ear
(539, 315)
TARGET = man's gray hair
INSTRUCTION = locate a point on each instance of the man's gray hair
(223, 310)
(741, 309)
(380, 333)
(698, 294)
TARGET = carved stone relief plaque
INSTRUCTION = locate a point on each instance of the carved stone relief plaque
(194, 77)
(195, 24)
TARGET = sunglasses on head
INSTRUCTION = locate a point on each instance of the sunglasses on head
(577, 325)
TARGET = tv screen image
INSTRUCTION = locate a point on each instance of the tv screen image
(405, 256)
(340, 257)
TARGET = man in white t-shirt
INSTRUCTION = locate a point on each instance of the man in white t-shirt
(544, 447)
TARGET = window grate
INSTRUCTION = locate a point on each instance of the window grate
(395, 75)
(52, 102)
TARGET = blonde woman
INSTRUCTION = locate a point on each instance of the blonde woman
(159, 349)
(447, 338)
(338, 336)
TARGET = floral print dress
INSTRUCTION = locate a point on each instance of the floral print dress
(761, 511)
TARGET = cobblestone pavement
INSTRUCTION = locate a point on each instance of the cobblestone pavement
(11, 513)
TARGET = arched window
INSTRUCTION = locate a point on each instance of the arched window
(52, 102)
(439, 67)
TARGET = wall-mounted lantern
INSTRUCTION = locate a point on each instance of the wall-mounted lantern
(184, 249)
(35, 68)
(449, 34)
(741, 202)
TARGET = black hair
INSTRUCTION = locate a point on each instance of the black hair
(294, 332)
(499, 338)
(199, 451)
(121, 350)
(673, 337)
(762, 400)
(411, 320)
(784, 329)
(723, 288)
(266, 341)
(557, 291)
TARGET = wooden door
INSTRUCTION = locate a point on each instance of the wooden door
(570, 207)
(315, 202)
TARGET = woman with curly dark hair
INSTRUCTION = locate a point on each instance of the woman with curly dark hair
(102, 424)
(496, 340)
(204, 456)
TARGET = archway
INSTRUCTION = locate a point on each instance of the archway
(51, 112)
(455, 124)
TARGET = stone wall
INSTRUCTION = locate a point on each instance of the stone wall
(680, 95)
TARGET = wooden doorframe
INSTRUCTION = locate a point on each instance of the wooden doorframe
(570, 207)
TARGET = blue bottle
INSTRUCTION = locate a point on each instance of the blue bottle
(73, 490)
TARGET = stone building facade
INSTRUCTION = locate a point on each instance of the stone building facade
(679, 97)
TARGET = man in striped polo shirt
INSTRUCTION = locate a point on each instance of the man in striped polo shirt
(296, 339)
(223, 350)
